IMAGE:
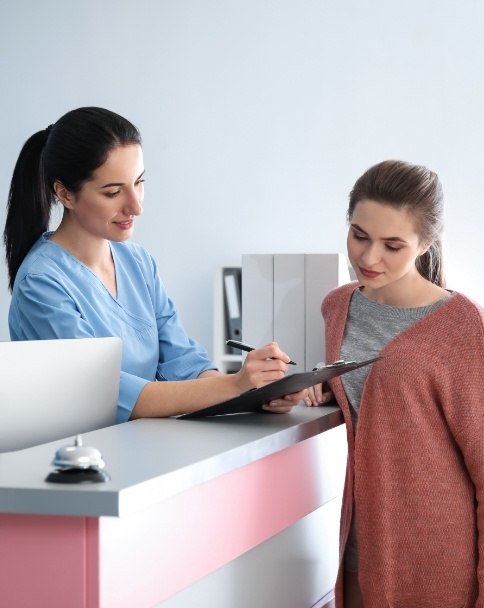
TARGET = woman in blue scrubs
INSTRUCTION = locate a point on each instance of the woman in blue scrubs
(87, 279)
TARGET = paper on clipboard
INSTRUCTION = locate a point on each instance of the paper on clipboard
(253, 400)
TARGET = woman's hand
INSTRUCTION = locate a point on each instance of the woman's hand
(286, 403)
(318, 395)
(263, 366)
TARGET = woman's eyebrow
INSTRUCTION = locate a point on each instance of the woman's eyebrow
(111, 184)
(386, 238)
(356, 227)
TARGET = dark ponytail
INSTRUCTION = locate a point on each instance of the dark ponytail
(69, 152)
(429, 264)
(29, 203)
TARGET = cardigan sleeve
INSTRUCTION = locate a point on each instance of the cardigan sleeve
(463, 407)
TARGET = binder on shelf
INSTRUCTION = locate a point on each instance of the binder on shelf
(289, 314)
(258, 298)
(233, 304)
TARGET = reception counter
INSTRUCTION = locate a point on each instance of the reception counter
(227, 512)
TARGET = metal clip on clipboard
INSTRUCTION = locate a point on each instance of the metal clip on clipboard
(338, 363)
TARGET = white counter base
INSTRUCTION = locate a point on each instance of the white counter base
(288, 570)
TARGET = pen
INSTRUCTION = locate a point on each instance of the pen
(247, 348)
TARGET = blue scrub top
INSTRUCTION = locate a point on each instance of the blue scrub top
(56, 296)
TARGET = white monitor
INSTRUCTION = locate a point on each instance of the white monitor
(52, 389)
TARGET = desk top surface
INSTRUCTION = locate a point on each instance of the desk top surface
(150, 460)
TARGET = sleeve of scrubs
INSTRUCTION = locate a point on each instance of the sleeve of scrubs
(181, 357)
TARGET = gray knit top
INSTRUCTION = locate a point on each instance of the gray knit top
(370, 326)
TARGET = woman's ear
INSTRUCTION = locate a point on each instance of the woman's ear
(64, 196)
(424, 247)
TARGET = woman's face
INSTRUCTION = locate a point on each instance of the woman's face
(107, 205)
(383, 245)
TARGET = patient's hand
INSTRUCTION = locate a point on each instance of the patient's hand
(318, 395)
(286, 403)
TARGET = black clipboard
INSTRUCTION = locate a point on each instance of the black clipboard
(253, 400)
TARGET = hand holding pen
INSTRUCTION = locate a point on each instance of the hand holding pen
(262, 366)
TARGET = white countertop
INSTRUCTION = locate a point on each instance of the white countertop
(150, 460)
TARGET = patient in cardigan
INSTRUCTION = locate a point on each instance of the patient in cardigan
(412, 522)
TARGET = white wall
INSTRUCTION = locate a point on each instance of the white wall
(257, 117)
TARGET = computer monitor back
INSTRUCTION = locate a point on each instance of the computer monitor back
(53, 389)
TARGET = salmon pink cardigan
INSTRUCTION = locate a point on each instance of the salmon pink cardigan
(416, 468)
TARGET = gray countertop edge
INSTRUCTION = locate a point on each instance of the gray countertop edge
(154, 484)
